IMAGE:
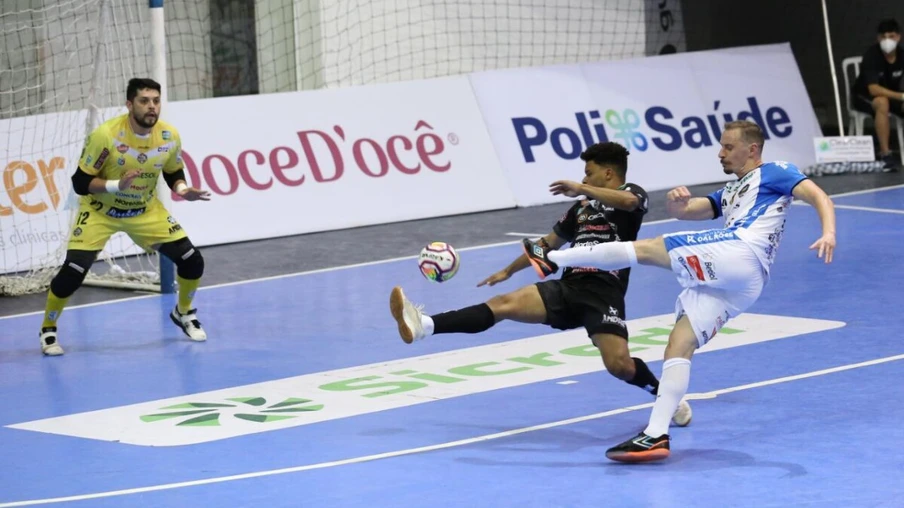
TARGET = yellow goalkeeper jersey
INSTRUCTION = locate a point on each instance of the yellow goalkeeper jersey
(113, 149)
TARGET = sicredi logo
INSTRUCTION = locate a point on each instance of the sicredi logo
(226, 413)
(657, 127)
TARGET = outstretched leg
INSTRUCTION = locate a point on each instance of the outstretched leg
(523, 305)
(605, 256)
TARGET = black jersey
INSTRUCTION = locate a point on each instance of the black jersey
(589, 222)
(875, 69)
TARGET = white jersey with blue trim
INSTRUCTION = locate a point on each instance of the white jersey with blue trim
(755, 206)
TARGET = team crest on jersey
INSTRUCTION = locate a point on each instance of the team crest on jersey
(166, 135)
(142, 158)
(122, 148)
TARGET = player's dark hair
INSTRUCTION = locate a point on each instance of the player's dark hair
(136, 84)
(608, 154)
(888, 25)
(750, 132)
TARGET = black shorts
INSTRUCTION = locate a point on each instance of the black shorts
(584, 301)
(864, 104)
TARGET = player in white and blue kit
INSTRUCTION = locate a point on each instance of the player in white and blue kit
(723, 270)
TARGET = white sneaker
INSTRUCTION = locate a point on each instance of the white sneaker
(189, 324)
(49, 344)
(683, 414)
(407, 315)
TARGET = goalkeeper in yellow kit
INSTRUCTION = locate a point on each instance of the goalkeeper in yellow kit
(117, 180)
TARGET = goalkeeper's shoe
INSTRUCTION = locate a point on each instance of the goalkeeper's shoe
(189, 324)
(407, 315)
(536, 253)
(49, 344)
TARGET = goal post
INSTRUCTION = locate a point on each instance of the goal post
(166, 268)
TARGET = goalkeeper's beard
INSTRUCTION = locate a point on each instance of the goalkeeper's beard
(145, 124)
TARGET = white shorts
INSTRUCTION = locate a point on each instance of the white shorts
(720, 274)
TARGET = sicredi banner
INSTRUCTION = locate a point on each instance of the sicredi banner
(668, 110)
(291, 163)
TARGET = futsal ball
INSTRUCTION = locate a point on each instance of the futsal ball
(438, 262)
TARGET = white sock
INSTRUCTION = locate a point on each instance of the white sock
(676, 373)
(427, 323)
(606, 256)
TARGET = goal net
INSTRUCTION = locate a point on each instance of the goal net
(64, 65)
(312, 44)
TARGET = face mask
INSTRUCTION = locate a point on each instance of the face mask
(888, 45)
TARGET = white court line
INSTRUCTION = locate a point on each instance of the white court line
(369, 263)
(861, 208)
(870, 209)
(442, 446)
(526, 235)
(867, 191)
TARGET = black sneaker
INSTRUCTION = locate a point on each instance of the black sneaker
(891, 162)
(536, 253)
(641, 448)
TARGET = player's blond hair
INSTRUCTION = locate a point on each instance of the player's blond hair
(751, 132)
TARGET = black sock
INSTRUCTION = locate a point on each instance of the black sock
(643, 377)
(473, 319)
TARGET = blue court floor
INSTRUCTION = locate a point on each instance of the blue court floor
(304, 396)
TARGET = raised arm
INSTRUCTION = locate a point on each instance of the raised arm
(618, 199)
(681, 205)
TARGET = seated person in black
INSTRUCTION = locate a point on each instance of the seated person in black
(878, 90)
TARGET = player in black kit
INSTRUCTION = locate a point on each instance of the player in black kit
(583, 297)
